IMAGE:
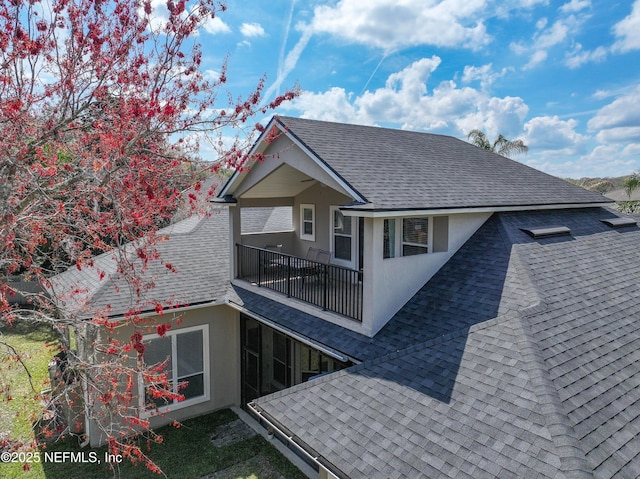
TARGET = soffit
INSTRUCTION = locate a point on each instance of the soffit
(283, 182)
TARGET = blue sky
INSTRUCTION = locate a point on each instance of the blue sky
(564, 76)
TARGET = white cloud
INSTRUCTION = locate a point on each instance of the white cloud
(532, 3)
(215, 26)
(484, 74)
(553, 36)
(543, 40)
(541, 23)
(619, 121)
(626, 31)
(504, 8)
(389, 24)
(552, 133)
(579, 57)
(406, 100)
(332, 105)
(621, 134)
(575, 6)
(211, 75)
(560, 32)
(601, 94)
(252, 30)
(537, 58)
(603, 161)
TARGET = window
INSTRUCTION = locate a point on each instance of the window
(184, 357)
(282, 367)
(342, 236)
(313, 363)
(307, 222)
(415, 236)
(389, 241)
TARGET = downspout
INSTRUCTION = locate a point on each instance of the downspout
(87, 422)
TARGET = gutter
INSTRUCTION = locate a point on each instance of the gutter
(294, 442)
(149, 313)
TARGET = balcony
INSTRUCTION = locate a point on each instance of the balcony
(333, 288)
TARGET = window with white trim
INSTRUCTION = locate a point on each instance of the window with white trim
(343, 237)
(415, 236)
(308, 222)
(183, 357)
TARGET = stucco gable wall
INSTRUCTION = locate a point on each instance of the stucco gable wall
(284, 151)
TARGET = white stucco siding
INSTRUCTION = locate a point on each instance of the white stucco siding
(390, 283)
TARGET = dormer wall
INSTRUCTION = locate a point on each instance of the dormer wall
(389, 283)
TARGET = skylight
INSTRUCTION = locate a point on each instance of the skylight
(619, 222)
(547, 231)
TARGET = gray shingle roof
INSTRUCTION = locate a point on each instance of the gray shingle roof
(524, 362)
(395, 169)
(266, 220)
(197, 247)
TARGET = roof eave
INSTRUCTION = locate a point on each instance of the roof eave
(371, 211)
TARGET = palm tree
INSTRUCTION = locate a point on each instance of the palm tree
(632, 183)
(501, 146)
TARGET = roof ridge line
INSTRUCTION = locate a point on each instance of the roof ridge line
(571, 455)
(523, 272)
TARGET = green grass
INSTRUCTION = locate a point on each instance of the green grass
(186, 452)
(19, 404)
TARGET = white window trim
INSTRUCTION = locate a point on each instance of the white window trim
(312, 236)
(354, 240)
(144, 413)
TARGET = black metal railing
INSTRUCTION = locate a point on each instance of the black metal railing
(333, 288)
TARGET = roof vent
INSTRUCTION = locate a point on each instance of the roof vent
(620, 222)
(547, 231)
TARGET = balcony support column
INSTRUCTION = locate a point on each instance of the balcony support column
(234, 238)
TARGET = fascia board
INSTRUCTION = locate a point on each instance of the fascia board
(256, 146)
(322, 164)
(354, 211)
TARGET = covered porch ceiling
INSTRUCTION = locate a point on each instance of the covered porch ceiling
(283, 182)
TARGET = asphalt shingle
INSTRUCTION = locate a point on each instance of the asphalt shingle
(540, 380)
(196, 247)
(460, 174)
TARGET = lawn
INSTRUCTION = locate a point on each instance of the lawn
(186, 452)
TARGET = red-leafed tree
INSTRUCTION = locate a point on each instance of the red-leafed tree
(100, 102)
